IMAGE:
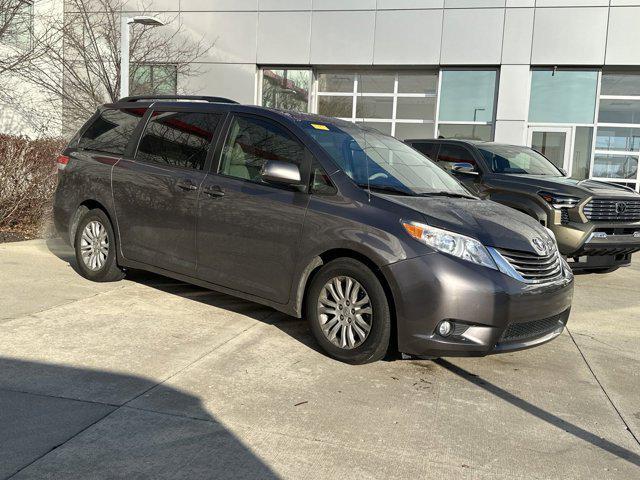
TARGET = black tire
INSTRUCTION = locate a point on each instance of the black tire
(376, 344)
(109, 271)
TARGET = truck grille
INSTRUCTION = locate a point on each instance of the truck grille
(534, 268)
(536, 328)
(613, 210)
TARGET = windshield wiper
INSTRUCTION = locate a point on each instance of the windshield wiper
(386, 189)
(444, 193)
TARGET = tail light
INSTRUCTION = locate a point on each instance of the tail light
(62, 162)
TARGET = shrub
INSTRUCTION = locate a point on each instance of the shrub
(27, 182)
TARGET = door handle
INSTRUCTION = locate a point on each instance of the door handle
(214, 191)
(186, 184)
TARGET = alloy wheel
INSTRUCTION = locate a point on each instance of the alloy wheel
(94, 245)
(345, 312)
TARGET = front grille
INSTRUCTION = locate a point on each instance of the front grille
(534, 268)
(564, 216)
(613, 210)
(536, 328)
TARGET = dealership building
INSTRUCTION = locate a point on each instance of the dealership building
(560, 75)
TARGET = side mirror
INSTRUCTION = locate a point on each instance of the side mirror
(464, 168)
(283, 173)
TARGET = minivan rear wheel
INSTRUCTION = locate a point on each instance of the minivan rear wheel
(349, 312)
(95, 250)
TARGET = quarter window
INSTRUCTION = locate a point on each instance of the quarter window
(111, 131)
(178, 139)
(253, 141)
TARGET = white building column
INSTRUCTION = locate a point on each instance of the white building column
(513, 104)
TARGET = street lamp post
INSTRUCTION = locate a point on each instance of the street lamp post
(124, 47)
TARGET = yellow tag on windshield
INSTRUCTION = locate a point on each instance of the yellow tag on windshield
(319, 127)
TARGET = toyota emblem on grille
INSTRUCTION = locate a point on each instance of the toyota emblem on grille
(621, 207)
(540, 246)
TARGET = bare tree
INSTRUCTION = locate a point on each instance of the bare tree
(80, 65)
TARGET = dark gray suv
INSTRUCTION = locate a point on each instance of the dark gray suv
(319, 218)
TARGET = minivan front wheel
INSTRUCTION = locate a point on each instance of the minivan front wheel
(94, 245)
(349, 312)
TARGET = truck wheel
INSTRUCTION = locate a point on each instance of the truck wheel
(95, 248)
(349, 312)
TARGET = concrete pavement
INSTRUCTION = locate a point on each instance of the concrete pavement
(151, 378)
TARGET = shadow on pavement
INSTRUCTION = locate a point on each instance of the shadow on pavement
(538, 412)
(82, 438)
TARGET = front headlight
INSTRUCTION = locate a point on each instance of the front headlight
(460, 246)
(559, 201)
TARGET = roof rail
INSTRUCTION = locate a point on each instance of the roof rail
(142, 98)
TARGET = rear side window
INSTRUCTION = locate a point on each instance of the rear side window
(451, 154)
(251, 142)
(178, 139)
(111, 131)
(428, 149)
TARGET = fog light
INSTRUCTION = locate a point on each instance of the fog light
(445, 328)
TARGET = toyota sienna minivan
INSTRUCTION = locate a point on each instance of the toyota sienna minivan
(371, 242)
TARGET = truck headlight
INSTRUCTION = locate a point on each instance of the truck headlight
(559, 201)
(460, 246)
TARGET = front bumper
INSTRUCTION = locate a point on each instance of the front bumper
(493, 312)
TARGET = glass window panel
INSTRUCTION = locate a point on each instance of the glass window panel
(286, 89)
(618, 138)
(619, 111)
(620, 84)
(111, 130)
(468, 132)
(382, 127)
(426, 83)
(582, 153)
(153, 79)
(566, 96)
(164, 79)
(374, 107)
(16, 20)
(448, 155)
(416, 108)
(418, 131)
(376, 82)
(429, 149)
(335, 106)
(336, 82)
(251, 142)
(615, 166)
(178, 139)
(467, 95)
(550, 144)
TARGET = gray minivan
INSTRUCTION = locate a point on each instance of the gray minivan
(375, 245)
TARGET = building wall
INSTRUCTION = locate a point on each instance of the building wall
(513, 34)
(24, 108)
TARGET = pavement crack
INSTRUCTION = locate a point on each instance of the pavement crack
(609, 399)
(62, 443)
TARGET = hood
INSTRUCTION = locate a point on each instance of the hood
(567, 186)
(493, 224)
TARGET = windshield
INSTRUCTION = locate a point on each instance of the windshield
(381, 162)
(514, 160)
